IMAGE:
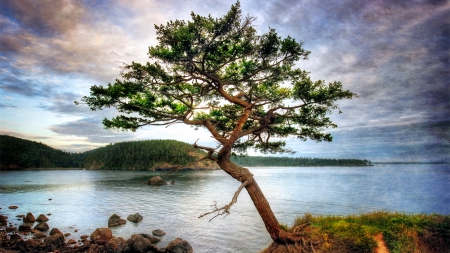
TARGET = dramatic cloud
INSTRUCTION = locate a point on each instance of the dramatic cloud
(394, 54)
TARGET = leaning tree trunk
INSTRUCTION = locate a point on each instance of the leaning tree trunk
(257, 196)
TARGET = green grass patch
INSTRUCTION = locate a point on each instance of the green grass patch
(356, 233)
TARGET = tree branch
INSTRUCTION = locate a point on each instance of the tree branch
(225, 209)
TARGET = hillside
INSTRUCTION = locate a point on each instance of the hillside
(146, 155)
(17, 153)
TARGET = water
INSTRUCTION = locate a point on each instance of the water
(84, 200)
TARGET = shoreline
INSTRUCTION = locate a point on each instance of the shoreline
(34, 235)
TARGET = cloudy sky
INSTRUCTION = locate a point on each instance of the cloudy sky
(393, 54)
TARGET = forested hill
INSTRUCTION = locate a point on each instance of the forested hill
(16, 153)
(147, 155)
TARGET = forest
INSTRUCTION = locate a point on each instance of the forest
(17, 153)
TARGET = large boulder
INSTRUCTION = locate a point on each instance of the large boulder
(43, 226)
(101, 235)
(135, 217)
(29, 218)
(157, 180)
(115, 244)
(179, 246)
(42, 218)
(57, 240)
(115, 220)
(138, 243)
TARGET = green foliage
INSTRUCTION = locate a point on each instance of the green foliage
(401, 232)
(267, 161)
(218, 73)
(142, 155)
(16, 153)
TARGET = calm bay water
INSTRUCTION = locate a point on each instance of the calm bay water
(84, 200)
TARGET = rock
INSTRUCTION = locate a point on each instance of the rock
(67, 234)
(158, 232)
(115, 220)
(54, 231)
(101, 235)
(39, 235)
(179, 246)
(42, 218)
(24, 228)
(11, 229)
(43, 226)
(84, 237)
(135, 217)
(29, 218)
(71, 241)
(13, 207)
(161, 250)
(115, 244)
(172, 183)
(157, 180)
(151, 238)
(138, 243)
(56, 240)
(15, 239)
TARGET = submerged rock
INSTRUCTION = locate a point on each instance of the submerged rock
(13, 207)
(151, 238)
(158, 232)
(115, 220)
(135, 217)
(157, 180)
(179, 246)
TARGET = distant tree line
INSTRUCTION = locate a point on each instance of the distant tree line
(17, 153)
(255, 161)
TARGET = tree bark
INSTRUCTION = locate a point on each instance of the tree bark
(257, 196)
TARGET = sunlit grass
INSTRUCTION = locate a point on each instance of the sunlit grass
(356, 233)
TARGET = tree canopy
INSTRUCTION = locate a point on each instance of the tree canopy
(244, 88)
(218, 73)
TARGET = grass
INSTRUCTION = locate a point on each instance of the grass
(356, 233)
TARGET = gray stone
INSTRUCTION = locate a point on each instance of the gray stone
(115, 220)
(158, 232)
(135, 217)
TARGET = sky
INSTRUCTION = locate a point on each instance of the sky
(394, 54)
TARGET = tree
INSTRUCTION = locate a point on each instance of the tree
(244, 88)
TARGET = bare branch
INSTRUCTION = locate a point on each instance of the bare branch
(225, 209)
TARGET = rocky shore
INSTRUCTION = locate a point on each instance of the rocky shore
(34, 235)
